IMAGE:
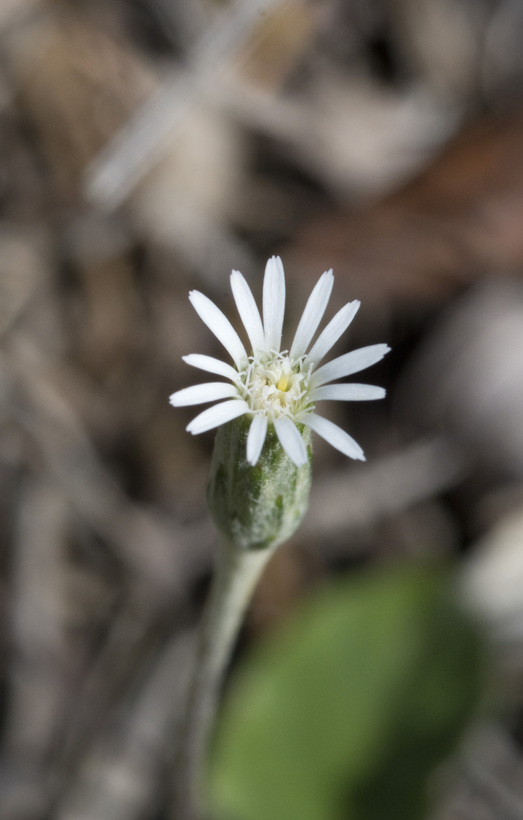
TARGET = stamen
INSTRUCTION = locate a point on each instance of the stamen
(275, 385)
(283, 382)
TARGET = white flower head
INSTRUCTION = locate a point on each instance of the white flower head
(275, 386)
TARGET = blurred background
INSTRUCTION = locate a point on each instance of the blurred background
(147, 148)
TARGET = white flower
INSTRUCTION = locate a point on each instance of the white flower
(275, 386)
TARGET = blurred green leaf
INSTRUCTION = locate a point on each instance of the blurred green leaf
(344, 713)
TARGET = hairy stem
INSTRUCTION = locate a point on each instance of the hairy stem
(236, 575)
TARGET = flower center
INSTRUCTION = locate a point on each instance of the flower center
(283, 383)
(275, 386)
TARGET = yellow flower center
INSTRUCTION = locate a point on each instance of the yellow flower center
(276, 386)
(283, 383)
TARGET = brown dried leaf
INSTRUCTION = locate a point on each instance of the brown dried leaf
(463, 215)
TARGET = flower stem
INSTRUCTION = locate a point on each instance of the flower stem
(236, 575)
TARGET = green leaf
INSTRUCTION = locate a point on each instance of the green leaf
(345, 712)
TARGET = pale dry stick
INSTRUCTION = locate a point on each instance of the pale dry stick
(38, 675)
(16, 12)
(72, 461)
(120, 166)
(119, 776)
(488, 782)
(385, 487)
(158, 575)
(236, 575)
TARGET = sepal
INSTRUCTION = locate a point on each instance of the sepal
(257, 507)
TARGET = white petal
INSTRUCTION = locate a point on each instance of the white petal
(217, 415)
(348, 392)
(349, 363)
(335, 436)
(248, 310)
(273, 303)
(211, 365)
(201, 393)
(291, 440)
(220, 326)
(312, 315)
(256, 438)
(330, 335)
